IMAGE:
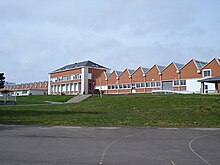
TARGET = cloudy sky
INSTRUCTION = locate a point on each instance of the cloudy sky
(39, 36)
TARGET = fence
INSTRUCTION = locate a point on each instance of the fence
(6, 98)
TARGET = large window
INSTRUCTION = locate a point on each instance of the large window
(176, 83)
(129, 85)
(179, 82)
(182, 82)
(142, 85)
(158, 84)
(152, 84)
(207, 73)
(147, 84)
(138, 85)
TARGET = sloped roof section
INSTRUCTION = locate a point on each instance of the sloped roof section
(107, 74)
(178, 66)
(145, 70)
(131, 71)
(160, 68)
(79, 65)
(118, 73)
(200, 64)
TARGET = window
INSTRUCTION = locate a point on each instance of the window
(116, 86)
(109, 87)
(176, 82)
(129, 85)
(113, 87)
(120, 86)
(124, 86)
(158, 84)
(207, 73)
(142, 85)
(138, 85)
(152, 84)
(68, 77)
(182, 82)
(147, 84)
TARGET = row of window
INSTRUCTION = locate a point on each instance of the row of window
(145, 85)
(66, 78)
(25, 86)
(134, 86)
(179, 82)
(66, 87)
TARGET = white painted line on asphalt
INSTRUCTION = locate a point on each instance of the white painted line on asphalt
(172, 162)
(103, 155)
(199, 156)
(106, 149)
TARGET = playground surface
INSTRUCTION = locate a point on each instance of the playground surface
(108, 145)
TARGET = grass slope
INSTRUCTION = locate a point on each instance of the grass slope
(39, 99)
(122, 110)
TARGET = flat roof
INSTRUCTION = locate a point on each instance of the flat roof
(211, 79)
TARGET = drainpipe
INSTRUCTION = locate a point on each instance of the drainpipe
(144, 83)
(178, 75)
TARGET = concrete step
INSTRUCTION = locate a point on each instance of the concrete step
(78, 98)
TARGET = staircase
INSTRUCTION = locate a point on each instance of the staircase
(78, 98)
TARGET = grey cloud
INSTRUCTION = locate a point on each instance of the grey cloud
(40, 36)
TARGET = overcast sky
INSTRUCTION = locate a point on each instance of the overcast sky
(39, 36)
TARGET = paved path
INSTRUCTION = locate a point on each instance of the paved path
(78, 98)
(108, 145)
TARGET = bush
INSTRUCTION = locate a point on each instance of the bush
(96, 91)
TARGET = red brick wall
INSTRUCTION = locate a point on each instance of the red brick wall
(214, 66)
(169, 73)
(138, 76)
(101, 81)
(96, 72)
(189, 71)
(112, 78)
(153, 73)
(66, 73)
(124, 78)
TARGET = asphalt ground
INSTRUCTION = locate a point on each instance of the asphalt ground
(39, 145)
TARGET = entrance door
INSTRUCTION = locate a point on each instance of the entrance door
(167, 85)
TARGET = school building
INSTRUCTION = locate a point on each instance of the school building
(84, 77)
(25, 89)
(193, 77)
(77, 78)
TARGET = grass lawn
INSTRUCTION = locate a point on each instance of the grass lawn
(39, 99)
(122, 110)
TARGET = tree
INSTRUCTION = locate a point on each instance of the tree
(2, 80)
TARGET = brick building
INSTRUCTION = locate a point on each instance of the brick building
(77, 78)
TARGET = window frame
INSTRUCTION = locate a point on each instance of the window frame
(206, 70)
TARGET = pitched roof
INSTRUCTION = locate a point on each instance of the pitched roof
(108, 74)
(79, 65)
(145, 70)
(160, 67)
(178, 66)
(118, 73)
(131, 71)
(200, 64)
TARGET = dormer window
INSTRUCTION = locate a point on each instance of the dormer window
(206, 73)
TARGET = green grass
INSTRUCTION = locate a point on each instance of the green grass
(39, 99)
(122, 110)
